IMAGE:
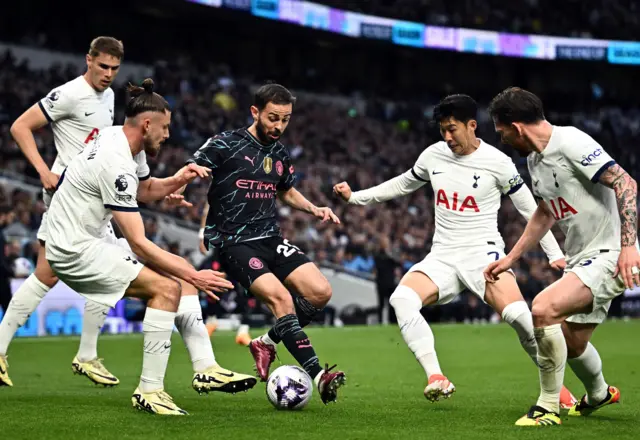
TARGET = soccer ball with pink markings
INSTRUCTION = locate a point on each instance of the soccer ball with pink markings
(289, 387)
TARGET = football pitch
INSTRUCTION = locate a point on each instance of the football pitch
(495, 380)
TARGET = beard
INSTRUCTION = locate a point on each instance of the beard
(149, 148)
(263, 135)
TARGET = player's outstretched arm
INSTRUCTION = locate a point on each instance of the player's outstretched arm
(526, 205)
(541, 221)
(401, 185)
(157, 189)
(626, 189)
(296, 200)
(22, 131)
(132, 227)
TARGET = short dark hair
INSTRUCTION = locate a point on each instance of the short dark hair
(106, 45)
(144, 99)
(460, 107)
(274, 93)
(516, 105)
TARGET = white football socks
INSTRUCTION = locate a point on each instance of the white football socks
(267, 340)
(23, 303)
(414, 328)
(194, 333)
(552, 357)
(94, 316)
(518, 316)
(157, 328)
(588, 368)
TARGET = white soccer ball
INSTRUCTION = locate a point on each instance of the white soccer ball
(289, 387)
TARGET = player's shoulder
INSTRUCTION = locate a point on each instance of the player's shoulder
(230, 135)
(76, 88)
(491, 152)
(570, 136)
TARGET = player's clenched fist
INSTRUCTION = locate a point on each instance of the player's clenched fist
(343, 190)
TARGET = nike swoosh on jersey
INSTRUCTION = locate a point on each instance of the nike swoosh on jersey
(88, 114)
(437, 172)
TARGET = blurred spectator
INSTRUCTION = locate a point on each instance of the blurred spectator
(608, 19)
(6, 271)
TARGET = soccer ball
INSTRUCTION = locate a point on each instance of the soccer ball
(289, 387)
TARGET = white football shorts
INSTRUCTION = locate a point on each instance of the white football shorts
(454, 270)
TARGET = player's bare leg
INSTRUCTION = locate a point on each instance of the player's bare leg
(314, 293)
(163, 294)
(551, 307)
(208, 374)
(584, 360)
(415, 291)
(505, 298)
(276, 296)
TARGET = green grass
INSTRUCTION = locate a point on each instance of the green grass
(496, 383)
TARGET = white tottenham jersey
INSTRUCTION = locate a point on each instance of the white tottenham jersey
(100, 179)
(77, 113)
(467, 191)
(565, 175)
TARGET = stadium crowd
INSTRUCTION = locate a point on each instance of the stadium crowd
(606, 19)
(362, 142)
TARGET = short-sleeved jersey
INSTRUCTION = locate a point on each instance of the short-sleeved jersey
(565, 175)
(467, 192)
(101, 179)
(246, 178)
(77, 112)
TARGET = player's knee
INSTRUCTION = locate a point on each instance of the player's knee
(168, 291)
(544, 312)
(281, 302)
(321, 294)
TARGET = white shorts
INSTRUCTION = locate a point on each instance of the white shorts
(596, 272)
(454, 270)
(101, 273)
(42, 230)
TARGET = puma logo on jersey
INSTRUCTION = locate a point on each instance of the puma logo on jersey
(561, 208)
(250, 160)
(468, 203)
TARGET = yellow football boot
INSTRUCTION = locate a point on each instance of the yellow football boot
(538, 416)
(95, 371)
(157, 402)
(582, 408)
(216, 378)
(4, 372)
